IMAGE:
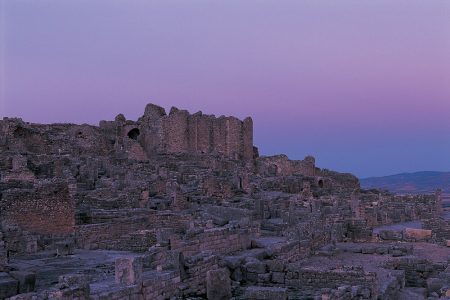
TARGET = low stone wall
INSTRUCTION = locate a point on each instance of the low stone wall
(91, 236)
(218, 240)
(439, 227)
(163, 286)
(315, 279)
(293, 251)
(195, 270)
(388, 209)
(46, 208)
(417, 270)
(406, 235)
(139, 241)
(178, 222)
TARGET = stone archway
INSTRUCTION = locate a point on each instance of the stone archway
(133, 133)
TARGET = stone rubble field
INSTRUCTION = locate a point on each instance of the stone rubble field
(182, 206)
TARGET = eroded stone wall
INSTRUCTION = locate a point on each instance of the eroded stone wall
(45, 208)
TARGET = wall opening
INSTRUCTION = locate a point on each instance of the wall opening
(133, 133)
(321, 183)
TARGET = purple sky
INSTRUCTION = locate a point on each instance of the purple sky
(364, 86)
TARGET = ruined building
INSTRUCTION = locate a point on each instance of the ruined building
(181, 206)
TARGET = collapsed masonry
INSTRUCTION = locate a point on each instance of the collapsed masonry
(181, 206)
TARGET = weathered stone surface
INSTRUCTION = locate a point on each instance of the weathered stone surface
(128, 270)
(218, 284)
(417, 234)
(391, 235)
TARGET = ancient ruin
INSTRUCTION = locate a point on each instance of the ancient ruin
(181, 206)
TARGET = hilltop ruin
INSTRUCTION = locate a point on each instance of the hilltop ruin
(181, 206)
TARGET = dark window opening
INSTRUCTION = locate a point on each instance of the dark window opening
(133, 133)
(240, 183)
(321, 183)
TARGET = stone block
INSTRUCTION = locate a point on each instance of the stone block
(128, 270)
(435, 284)
(233, 262)
(417, 234)
(391, 235)
(26, 280)
(218, 284)
(381, 250)
(368, 250)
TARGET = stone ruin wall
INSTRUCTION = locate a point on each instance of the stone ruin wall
(387, 209)
(157, 133)
(160, 135)
(184, 133)
(281, 165)
(439, 227)
(46, 208)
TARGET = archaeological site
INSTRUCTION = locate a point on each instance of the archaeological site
(182, 206)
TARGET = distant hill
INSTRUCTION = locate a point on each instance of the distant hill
(411, 183)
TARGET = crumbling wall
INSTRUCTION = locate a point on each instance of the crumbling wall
(440, 228)
(382, 209)
(218, 240)
(281, 165)
(196, 269)
(417, 270)
(47, 208)
(177, 222)
(176, 135)
(316, 279)
(180, 132)
(90, 236)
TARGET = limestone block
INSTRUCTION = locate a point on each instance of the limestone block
(128, 270)
(435, 284)
(391, 235)
(218, 284)
(417, 234)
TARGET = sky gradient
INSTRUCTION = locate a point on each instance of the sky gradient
(364, 86)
